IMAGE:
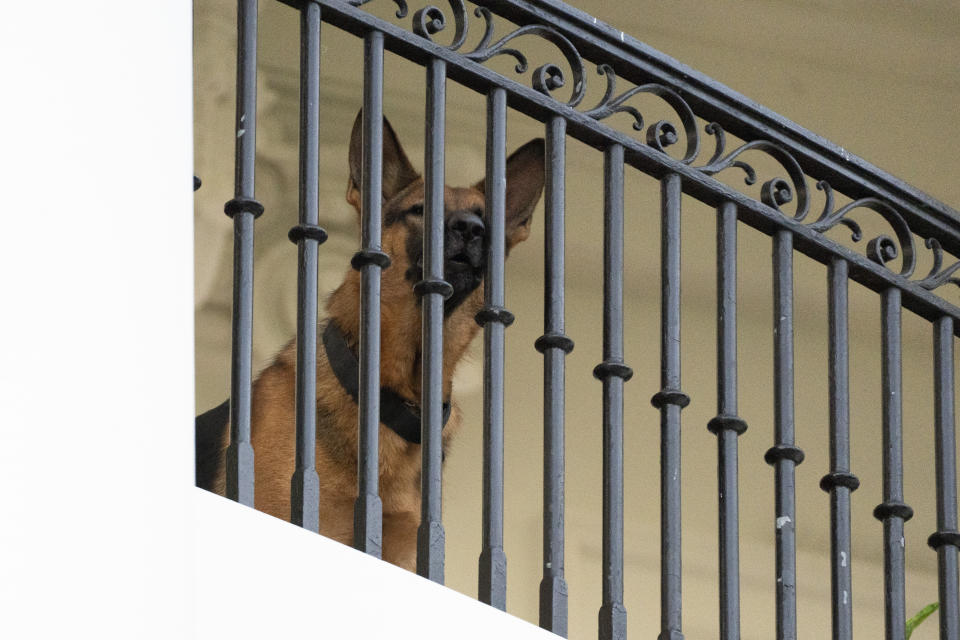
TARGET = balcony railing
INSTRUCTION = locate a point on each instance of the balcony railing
(710, 133)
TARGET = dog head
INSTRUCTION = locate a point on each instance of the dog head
(465, 223)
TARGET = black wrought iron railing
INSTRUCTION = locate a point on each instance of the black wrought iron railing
(684, 153)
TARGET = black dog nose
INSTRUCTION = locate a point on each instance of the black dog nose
(467, 224)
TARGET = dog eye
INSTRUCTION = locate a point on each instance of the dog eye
(395, 216)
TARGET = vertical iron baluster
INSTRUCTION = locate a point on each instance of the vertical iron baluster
(784, 455)
(368, 510)
(946, 540)
(244, 209)
(892, 511)
(840, 482)
(613, 372)
(670, 400)
(727, 425)
(433, 290)
(494, 318)
(554, 345)
(305, 484)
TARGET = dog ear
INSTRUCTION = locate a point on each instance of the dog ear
(524, 173)
(397, 170)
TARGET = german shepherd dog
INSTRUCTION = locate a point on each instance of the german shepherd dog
(272, 421)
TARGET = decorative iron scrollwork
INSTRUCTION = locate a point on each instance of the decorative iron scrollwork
(431, 20)
(546, 78)
(661, 134)
(881, 249)
(776, 192)
(938, 276)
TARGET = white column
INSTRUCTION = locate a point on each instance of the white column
(96, 319)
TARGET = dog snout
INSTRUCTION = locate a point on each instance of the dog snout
(464, 237)
(466, 224)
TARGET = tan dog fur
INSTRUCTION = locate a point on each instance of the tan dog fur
(337, 415)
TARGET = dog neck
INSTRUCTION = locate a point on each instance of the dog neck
(399, 338)
(400, 334)
(400, 415)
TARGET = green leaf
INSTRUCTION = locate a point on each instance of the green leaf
(922, 615)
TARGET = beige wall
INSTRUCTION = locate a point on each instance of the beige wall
(879, 78)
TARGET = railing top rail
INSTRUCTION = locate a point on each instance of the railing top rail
(711, 100)
(907, 210)
(639, 63)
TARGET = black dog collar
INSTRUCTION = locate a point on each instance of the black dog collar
(395, 411)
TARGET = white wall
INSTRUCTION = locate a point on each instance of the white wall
(101, 533)
(96, 330)
(284, 582)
